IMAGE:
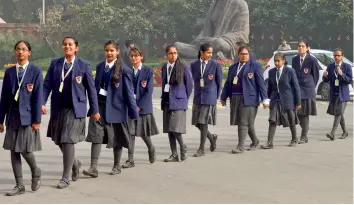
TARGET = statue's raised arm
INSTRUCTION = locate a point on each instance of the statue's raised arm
(226, 23)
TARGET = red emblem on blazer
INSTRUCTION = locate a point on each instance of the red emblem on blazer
(210, 76)
(306, 70)
(78, 79)
(30, 87)
(250, 75)
(143, 83)
(116, 84)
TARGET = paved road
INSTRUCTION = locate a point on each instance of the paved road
(318, 172)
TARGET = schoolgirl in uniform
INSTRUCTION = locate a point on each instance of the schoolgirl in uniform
(339, 75)
(207, 77)
(177, 85)
(285, 99)
(21, 97)
(307, 72)
(244, 86)
(145, 126)
(68, 79)
(101, 132)
(116, 102)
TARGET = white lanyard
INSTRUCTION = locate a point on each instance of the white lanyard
(19, 84)
(66, 75)
(239, 68)
(335, 71)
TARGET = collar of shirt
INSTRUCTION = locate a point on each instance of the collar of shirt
(24, 65)
(303, 58)
(138, 68)
(340, 64)
(66, 60)
(111, 64)
(169, 64)
(280, 69)
(206, 62)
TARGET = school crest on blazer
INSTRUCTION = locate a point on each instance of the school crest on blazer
(78, 79)
(210, 76)
(30, 87)
(250, 75)
(306, 70)
(143, 83)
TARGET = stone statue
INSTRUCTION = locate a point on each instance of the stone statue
(226, 23)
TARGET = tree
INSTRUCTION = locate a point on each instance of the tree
(302, 17)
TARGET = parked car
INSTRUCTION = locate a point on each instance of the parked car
(324, 58)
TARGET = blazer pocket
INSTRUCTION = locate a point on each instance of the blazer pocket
(252, 93)
(82, 98)
(181, 94)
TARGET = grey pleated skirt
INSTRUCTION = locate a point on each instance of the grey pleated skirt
(24, 139)
(174, 120)
(65, 128)
(100, 132)
(121, 135)
(144, 126)
(283, 117)
(336, 107)
(240, 114)
(308, 107)
(203, 114)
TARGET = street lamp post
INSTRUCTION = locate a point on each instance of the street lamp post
(43, 11)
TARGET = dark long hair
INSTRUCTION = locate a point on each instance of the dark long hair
(282, 56)
(177, 74)
(118, 65)
(204, 47)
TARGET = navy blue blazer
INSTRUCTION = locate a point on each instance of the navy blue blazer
(120, 101)
(344, 80)
(252, 83)
(289, 90)
(179, 94)
(82, 81)
(144, 89)
(307, 75)
(30, 98)
(212, 77)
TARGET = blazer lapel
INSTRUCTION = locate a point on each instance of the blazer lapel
(100, 74)
(305, 60)
(14, 79)
(246, 70)
(58, 69)
(75, 72)
(27, 76)
(207, 67)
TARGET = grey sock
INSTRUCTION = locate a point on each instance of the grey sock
(173, 143)
(68, 160)
(95, 154)
(17, 167)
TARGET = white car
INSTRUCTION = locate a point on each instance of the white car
(324, 58)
